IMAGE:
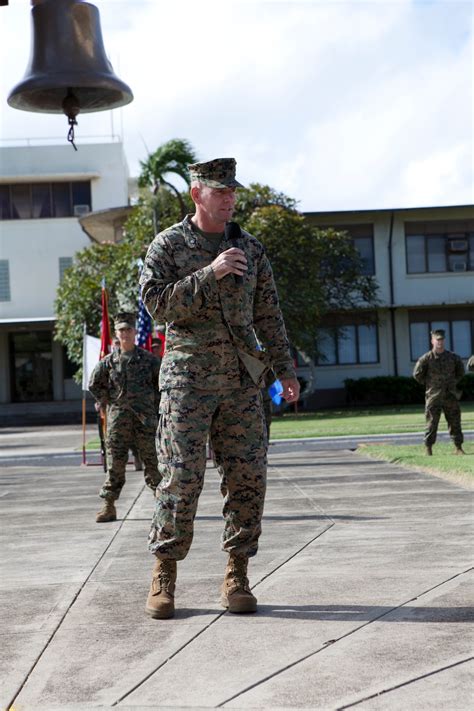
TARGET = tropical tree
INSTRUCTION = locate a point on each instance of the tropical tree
(173, 157)
(316, 271)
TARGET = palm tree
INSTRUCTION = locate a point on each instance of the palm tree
(172, 157)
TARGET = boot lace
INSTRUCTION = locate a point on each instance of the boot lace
(163, 578)
(238, 574)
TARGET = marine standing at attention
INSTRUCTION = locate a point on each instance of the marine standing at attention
(218, 299)
(439, 371)
(125, 383)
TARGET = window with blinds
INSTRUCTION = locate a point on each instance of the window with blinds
(33, 201)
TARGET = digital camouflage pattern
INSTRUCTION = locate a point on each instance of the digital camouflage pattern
(211, 375)
(213, 326)
(233, 419)
(127, 385)
(440, 374)
(217, 173)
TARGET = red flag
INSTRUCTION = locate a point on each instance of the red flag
(105, 338)
(161, 336)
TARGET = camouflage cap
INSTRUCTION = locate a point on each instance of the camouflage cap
(125, 320)
(217, 173)
(439, 334)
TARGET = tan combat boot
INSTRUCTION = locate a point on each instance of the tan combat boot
(235, 591)
(428, 450)
(107, 513)
(160, 600)
(459, 450)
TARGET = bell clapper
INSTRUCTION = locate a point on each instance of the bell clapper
(71, 108)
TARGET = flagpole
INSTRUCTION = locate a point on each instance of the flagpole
(84, 368)
(84, 460)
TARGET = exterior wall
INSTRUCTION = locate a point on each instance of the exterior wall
(333, 376)
(410, 291)
(429, 289)
(33, 246)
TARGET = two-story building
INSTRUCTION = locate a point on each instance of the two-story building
(44, 189)
(423, 260)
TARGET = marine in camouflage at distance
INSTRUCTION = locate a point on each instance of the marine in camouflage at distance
(126, 384)
(440, 373)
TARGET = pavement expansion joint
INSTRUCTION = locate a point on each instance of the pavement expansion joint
(406, 683)
(218, 617)
(10, 705)
(330, 643)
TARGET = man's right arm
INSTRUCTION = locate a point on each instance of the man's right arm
(99, 384)
(166, 296)
(420, 370)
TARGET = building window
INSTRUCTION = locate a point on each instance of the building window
(350, 344)
(4, 280)
(439, 247)
(459, 336)
(64, 263)
(365, 247)
(32, 201)
(31, 366)
(363, 239)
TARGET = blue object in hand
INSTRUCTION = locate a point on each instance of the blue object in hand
(275, 392)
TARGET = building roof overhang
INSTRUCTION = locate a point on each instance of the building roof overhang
(102, 225)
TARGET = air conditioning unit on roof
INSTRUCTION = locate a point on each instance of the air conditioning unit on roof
(81, 210)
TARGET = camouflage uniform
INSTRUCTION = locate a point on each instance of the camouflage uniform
(440, 373)
(210, 379)
(127, 384)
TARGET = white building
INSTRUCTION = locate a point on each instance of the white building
(423, 260)
(43, 191)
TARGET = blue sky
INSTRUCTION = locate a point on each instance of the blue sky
(342, 105)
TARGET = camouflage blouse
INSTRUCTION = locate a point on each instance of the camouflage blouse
(215, 330)
(439, 373)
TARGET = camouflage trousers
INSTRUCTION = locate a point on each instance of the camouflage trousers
(124, 432)
(233, 420)
(452, 413)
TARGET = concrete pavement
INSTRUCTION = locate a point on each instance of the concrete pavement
(363, 576)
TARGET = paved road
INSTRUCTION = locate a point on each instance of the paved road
(364, 581)
(62, 445)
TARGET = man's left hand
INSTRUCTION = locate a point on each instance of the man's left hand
(291, 389)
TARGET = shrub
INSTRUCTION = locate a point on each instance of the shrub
(395, 390)
(385, 389)
(467, 387)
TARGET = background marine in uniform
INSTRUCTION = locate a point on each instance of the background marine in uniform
(439, 371)
(125, 382)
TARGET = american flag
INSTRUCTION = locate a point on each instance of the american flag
(144, 326)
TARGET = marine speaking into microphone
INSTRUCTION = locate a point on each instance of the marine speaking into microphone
(233, 234)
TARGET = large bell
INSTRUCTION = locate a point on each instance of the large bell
(68, 62)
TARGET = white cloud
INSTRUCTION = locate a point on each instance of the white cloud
(340, 104)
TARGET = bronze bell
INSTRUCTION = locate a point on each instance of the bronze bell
(68, 70)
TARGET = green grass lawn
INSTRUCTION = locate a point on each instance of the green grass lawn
(353, 421)
(443, 462)
(361, 421)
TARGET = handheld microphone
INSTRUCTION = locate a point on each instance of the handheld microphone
(233, 234)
